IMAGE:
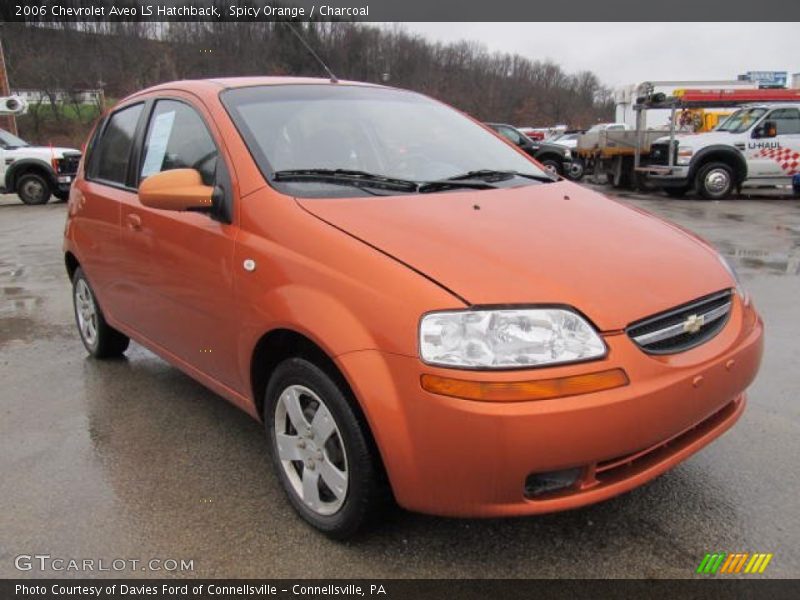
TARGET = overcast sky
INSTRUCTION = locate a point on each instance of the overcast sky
(624, 53)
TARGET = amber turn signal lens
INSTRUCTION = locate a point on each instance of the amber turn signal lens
(517, 391)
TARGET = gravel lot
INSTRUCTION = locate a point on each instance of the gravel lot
(132, 459)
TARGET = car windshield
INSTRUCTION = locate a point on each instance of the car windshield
(8, 140)
(741, 120)
(370, 131)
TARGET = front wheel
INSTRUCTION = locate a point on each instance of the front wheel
(715, 181)
(552, 165)
(321, 450)
(100, 339)
(33, 189)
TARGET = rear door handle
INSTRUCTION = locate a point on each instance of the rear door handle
(133, 221)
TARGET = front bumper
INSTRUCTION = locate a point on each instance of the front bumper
(465, 458)
(64, 182)
(663, 175)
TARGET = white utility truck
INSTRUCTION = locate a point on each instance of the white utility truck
(758, 145)
(34, 173)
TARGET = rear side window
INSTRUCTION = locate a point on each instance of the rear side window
(177, 138)
(113, 151)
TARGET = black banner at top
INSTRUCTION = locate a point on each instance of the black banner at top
(399, 10)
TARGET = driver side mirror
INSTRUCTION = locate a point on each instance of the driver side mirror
(768, 130)
(177, 189)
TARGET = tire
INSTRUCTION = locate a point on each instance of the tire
(715, 181)
(552, 165)
(677, 192)
(100, 339)
(61, 196)
(576, 170)
(33, 189)
(343, 473)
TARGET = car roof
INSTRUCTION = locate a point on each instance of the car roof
(237, 82)
(771, 105)
(214, 86)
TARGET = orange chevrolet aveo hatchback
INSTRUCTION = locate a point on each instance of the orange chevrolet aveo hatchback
(413, 307)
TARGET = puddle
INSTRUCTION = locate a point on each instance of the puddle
(26, 329)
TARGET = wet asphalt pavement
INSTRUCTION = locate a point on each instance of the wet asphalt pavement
(132, 459)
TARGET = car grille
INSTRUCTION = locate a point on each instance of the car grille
(683, 327)
(659, 154)
(68, 165)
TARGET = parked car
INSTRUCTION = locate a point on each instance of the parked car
(534, 133)
(412, 307)
(553, 157)
(609, 127)
(35, 173)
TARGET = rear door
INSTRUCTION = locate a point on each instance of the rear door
(183, 279)
(107, 183)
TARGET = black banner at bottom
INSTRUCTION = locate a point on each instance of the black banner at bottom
(395, 589)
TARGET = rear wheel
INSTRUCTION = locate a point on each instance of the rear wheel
(100, 339)
(576, 170)
(33, 189)
(321, 450)
(715, 181)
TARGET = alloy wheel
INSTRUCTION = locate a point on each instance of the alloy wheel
(87, 312)
(311, 450)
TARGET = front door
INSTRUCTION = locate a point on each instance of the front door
(184, 281)
(779, 156)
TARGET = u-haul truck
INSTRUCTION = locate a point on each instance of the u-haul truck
(757, 145)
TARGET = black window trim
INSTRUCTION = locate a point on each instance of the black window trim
(92, 163)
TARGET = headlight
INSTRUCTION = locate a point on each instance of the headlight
(684, 155)
(567, 155)
(507, 338)
(739, 287)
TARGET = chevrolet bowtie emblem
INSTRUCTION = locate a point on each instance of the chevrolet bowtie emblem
(693, 323)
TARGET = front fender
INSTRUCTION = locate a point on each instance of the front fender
(21, 165)
(724, 153)
(322, 318)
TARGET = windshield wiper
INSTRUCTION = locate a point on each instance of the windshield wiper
(497, 175)
(347, 177)
(373, 180)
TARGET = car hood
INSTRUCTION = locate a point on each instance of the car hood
(555, 243)
(547, 146)
(42, 152)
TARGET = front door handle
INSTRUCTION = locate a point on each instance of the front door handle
(133, 221)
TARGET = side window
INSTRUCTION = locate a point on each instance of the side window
(787, 120)
(510, 134)
(177, 138)
(113, 149)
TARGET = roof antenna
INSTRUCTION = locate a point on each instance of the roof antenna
(333, 77)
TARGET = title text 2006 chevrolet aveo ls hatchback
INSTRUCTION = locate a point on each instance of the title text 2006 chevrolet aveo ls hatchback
(413, 307)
